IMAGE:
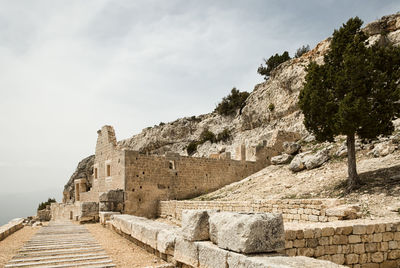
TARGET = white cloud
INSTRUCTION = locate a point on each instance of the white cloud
(69, 67)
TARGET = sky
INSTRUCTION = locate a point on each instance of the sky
(68, 67)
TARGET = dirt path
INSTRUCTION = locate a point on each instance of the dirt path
(10, 245)
(124, 253)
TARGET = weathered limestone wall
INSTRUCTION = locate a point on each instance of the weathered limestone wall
(293, 210)
(108, 169)
(356, 243)
(61, 211)
(10, 228)
(150, 179)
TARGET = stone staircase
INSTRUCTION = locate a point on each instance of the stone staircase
(61, 244)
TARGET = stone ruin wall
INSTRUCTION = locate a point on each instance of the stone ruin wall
(293, 210)
(355, 243)
(150, 179)
(106, 154)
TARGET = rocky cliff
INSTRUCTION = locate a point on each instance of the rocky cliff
(84, 170)
(256, 122)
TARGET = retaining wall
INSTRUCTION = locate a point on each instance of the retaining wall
(293, 210)
(355, 243)
(167, 242)
(11, 227)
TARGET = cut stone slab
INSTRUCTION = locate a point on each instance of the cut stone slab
(211, 256)
(247, 232)
(186, 252)
(106, 215)
(195, 226)
(166, 240)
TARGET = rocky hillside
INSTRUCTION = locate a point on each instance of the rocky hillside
(256, 122)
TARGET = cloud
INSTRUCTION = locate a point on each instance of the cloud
(69, 67)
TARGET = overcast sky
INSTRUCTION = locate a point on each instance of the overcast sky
(69, 67)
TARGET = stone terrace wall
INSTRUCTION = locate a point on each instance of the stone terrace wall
(293, 210)
(355, 243)
(150, 179)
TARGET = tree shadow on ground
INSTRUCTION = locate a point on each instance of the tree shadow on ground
(384, 180)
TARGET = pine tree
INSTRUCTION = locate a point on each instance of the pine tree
(355, 92)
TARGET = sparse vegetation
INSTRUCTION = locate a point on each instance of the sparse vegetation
(43, 205)
(161, 124)
(271, 107)
(207, 135)
(300, 51)
(233, 102)
(224, 135)
(273, 62)
(192, 147)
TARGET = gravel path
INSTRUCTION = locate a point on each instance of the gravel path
(124, 253)
(10, 246)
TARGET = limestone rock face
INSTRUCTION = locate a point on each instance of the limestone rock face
(84, 170)
(247, 233)
(281, 159)
(195, 225)
(383, 149)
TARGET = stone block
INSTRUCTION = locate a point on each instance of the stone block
(166, 240)
(377, 257)
(105, 216)
(359, 229)
(338, 258)
(354, 239)
(195, 226)
(211, 256)
(328, 231)
(186, 252)
(387, 236)
(247, 233)
(351, 258)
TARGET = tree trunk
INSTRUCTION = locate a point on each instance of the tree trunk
(353, 181)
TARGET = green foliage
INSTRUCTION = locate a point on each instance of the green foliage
(192, 147)
(231, 103)
(271, 107)
(224, 135)
(273, 62)
(207, 135)
(43, 205)
(161, 124)
(301, 50)
(356, 91)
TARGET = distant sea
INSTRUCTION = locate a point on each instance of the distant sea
(21, 205)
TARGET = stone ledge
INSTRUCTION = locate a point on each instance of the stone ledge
(11, 227)
(167, 242)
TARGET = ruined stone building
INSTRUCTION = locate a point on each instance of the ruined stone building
(134, 183)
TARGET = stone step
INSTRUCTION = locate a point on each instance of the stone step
(96, 264)
(57, 257)
(57, 252)
(68, 260)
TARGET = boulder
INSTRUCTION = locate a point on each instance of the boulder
(247, 232)
(344, 212)
(291, 148)
(297, 164)
(317, 159)
(195, 225)
(383, 149)
(281, 159)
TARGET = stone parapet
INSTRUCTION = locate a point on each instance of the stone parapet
(292, 210)
(168, 242)
(355, 243)
(11, 227)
